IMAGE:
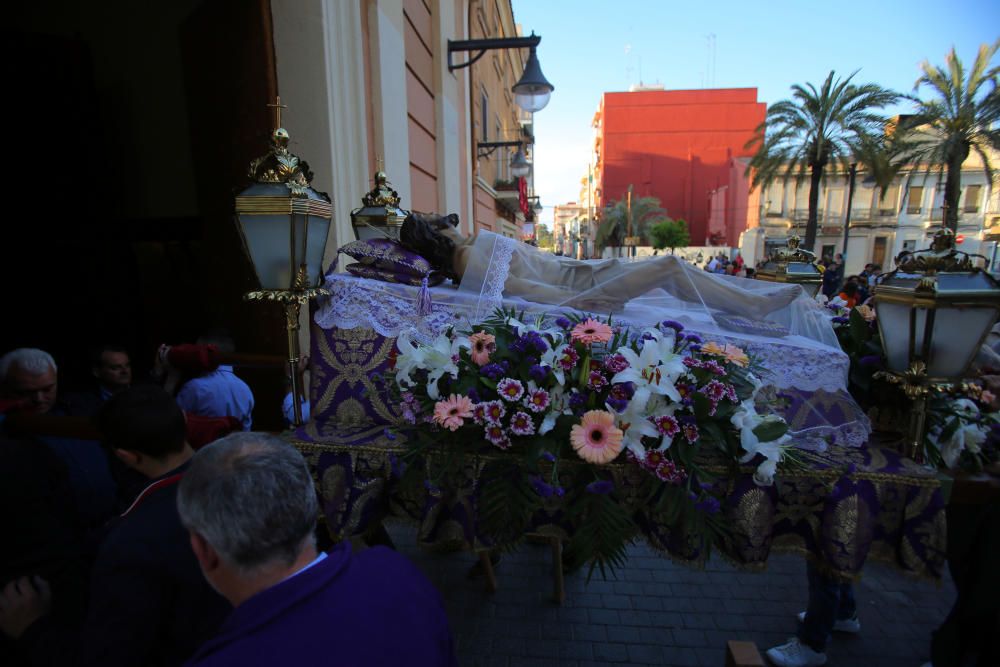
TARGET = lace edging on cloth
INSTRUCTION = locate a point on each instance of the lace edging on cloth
(491, 297)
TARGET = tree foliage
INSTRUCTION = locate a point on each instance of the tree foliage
(962, 117)
(815, 128)
(544, 236)
(670, 234)
(646, 211)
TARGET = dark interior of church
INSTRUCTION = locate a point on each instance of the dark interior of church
(135, 129)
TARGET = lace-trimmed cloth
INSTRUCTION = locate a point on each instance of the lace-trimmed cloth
(809, 378)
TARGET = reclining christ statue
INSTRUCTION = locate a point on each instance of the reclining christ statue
(493, 266)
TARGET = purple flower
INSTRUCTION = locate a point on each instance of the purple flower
(871, 360)
(549, 456)
(528, 343)
(510, 389)
(615, 363)
(693, 338)
(601, 486)
(389, 435)
(537, 400)
(617, 404)
(596, 381)
(539, 373)
(559, 491)
(666, 425)
(541, 487)
(709, 505)
(577, 400)
(492, 371)
(840, 320)
(531, 360)
(623, 390)
(672, 324)
(521, 424)
(694, 347)
(493, 412)
(474, 395)
(563, 323)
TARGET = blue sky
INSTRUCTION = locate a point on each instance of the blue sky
(589, 47)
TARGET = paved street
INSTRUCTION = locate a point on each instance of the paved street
(660, 613)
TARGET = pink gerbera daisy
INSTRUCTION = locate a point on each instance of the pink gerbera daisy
(591, 331)
(451, 412)
(510, 389)
(483, 345)
(596, 439)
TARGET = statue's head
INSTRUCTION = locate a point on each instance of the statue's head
(433, 237)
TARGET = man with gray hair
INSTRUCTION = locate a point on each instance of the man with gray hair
(28, 380)
(29, 384)
(249, 504)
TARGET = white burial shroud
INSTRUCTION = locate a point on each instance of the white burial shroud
(778, 323)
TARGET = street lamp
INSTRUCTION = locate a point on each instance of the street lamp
(934, 311)
(519, 166)
(283, 223)
(532, 91)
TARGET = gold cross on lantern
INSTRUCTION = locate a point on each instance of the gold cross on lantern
(277, 106)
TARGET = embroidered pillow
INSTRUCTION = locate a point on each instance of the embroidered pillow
(388, 255)
(365, 271)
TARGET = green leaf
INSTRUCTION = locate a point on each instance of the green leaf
(506, 504)
(770, 429)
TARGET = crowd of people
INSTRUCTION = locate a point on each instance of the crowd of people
(136, 535)
(854, 290)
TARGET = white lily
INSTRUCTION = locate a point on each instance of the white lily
(967, 436)
(558, 405)
(746, 420)
(537, 327)
(551, 359)
(437, 358)
(654, 370)
(635, 424)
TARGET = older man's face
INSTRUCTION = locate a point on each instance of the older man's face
(37, 391)
(114, 371)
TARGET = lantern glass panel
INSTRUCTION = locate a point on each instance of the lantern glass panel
(316, 232)
(267, 239)
(954, 340)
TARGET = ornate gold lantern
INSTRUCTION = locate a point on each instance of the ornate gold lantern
(934, 311)
(284, 223)
(379, 215)
(792, 264)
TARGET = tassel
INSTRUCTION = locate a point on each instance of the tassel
(424, 304)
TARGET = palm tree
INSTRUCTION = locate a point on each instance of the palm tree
(646, 211)
(962, 118)
(813, 129)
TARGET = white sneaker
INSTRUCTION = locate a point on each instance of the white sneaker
(795, 654)
(849, 625)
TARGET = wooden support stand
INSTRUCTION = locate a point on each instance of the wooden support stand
(491, 577)
(559, 588)
(742, 654)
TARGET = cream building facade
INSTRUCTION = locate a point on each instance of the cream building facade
(882, 225)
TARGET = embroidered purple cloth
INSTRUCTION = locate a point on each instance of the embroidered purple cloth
(847, 506)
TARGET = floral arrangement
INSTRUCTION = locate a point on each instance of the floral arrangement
(567, 396)
(961, 430)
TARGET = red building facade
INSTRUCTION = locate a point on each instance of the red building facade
(679, 146)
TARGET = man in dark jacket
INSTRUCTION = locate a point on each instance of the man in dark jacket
(149, 603)
(251, 507)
